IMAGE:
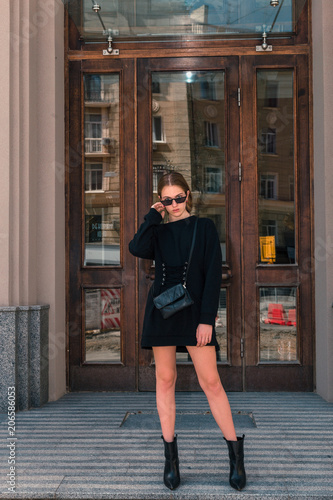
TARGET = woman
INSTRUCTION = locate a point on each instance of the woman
(193, 327)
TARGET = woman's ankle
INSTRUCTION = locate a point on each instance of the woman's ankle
(168, 438)
(230, 436)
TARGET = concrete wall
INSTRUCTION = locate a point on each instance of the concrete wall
(322, 11)
(32, 257)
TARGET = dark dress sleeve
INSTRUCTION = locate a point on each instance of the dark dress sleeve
(213, 276)
(142, 245)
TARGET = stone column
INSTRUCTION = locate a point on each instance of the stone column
(322, 12)
(8, 344)
(32, 234)
(24, 356)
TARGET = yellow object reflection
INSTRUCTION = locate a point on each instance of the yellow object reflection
(267, 249)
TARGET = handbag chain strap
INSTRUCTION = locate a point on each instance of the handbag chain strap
(187, 264)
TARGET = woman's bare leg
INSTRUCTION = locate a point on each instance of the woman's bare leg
(166, 375)
(204, 360)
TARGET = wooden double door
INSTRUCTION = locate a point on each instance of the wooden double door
(237, 128)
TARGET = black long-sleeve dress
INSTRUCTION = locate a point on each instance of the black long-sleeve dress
(169, 244)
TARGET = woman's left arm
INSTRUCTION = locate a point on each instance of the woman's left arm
(211, 291)
(213, 275)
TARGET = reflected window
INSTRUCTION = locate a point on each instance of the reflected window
(93, 88)
(207, 90)
(94, 177)
(269, 228)
(212, 135)
(158, 171)
(268, 141)
(102, 325)
(268, 186)
(213, 180)
(278, 324)
(93, 133)
(158, 134)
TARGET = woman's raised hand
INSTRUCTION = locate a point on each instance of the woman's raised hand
(160, 208)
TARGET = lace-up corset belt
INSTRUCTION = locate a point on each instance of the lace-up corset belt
(172, 275)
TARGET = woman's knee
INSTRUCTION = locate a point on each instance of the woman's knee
(211, 385)
(166, 378)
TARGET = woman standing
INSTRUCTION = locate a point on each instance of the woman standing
(192, 328)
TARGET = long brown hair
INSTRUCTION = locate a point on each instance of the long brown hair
(175, 179)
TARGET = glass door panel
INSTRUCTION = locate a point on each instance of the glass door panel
(102, 315)
(101, 272)
(188, 136)
(278, 324)
(192, 110)
(101, 170)
(277, 280)
(276, 166)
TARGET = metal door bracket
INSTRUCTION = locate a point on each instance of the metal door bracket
(239, 97)
(264, 47)
(239, 171)
(110, 51)
(259, 48)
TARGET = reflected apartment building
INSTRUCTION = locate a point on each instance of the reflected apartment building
(188, 136)
(102, 169)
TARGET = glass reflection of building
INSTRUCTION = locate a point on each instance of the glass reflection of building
(188, 137)
(275, 117)
(101, 174)
(191, 17)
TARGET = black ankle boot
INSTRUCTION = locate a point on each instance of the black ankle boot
(237, 477)
(171, 468)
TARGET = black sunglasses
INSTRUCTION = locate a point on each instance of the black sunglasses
(168, 201)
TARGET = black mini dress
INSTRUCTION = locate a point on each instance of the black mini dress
(169, 245)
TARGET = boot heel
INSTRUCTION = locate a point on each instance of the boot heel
(171, 468)
(237, 476)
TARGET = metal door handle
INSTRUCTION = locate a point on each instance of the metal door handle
(227, 275)
(150, 275)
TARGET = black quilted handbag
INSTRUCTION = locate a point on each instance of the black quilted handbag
(177, 297)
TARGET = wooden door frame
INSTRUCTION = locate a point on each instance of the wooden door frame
(267, 376)
(77, 52)
(230, 372)
(99, 375)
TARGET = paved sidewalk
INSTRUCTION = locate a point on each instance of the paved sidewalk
(82, 446)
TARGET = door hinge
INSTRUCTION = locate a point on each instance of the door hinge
(239, 171)
(239, 96)
(242, 348)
